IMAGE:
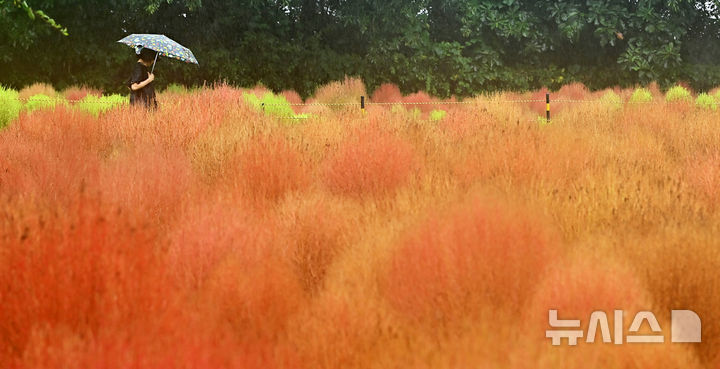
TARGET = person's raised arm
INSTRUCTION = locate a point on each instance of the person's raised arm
(139, 85)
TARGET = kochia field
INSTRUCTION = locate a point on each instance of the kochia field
(214, 233)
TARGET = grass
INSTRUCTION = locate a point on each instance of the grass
(212, 234)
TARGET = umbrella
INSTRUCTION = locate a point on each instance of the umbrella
(162, 44)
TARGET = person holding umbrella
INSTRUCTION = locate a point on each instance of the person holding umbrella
(142, 90)
(148, 47)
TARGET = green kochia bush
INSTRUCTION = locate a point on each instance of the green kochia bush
(9, 106)
(706, 101)
(275, 105)
(678, 93)
(41, 101)
(96, 105)
(612, 100)
(437, 115)
(176, 88)
(641, 95)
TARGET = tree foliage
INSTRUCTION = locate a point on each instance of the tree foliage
(446, 47)
(32, 14)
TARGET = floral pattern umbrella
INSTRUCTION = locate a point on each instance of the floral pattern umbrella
(162, 44)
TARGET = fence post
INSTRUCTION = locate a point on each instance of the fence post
(263, 106)
(362, 103)
(547, 106)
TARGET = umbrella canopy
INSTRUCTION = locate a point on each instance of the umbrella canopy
(162, 44)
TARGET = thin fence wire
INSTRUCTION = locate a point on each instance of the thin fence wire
(314, 104)
(472, 102)
(480, 102)
(368, 103)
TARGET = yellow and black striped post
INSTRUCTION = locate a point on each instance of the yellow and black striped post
(362, 104)
(547, 106)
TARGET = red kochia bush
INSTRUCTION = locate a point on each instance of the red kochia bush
(316, 230)
(79, 270)
(268, 168)
(151, 180)
(236, 265)
(37, 88)
(75, 93)
(477, 255)
(179, 346)
(704, 176)
(422, 100)
(573, 91)
(581, 286)
(538, 104)
(49, 154)
(576, 288)
(369, 161)
(293, 97)
(387, 93)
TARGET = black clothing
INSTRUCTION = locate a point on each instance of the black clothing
(145, 95)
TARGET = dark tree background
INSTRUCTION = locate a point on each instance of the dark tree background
(446, 47)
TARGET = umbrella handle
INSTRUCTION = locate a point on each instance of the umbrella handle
(153, 67)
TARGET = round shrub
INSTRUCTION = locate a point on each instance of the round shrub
(715, 93)
(74, 93)
(90, 104)
(705, 101)
(576, 288)
(37, 88)
(9, 106)
(678, 93)
(369, 161)
(40, 101)
(437, 115)
(268, 169)
(96, 105)
(420, 101)
(270, 104)
(477, 256)
(387, 93)
(611, 100)
(347, 91)
(641, 95)
(176, 88)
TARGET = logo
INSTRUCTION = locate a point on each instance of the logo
(685, 328)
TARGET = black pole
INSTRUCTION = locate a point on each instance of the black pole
(547, 105)
(153, 68)
(362, 103)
